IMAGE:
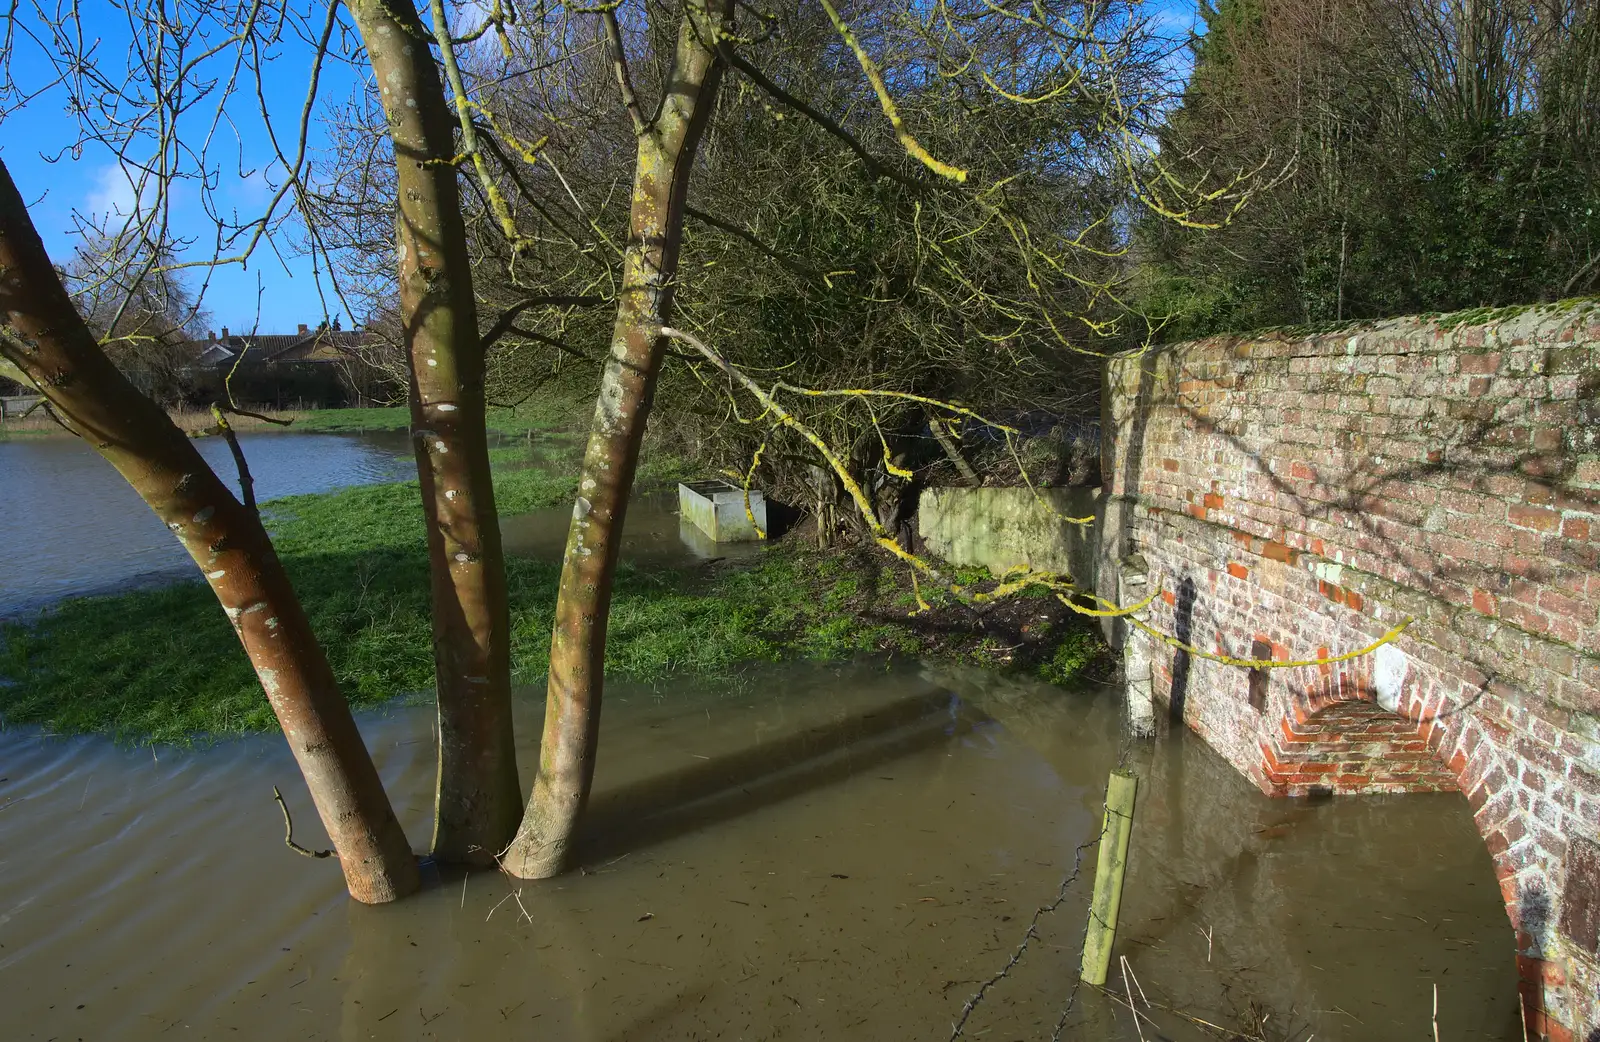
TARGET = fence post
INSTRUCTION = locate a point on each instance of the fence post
(1113, 863)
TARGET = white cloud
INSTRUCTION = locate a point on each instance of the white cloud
(115, 193)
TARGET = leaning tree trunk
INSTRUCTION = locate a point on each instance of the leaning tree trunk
(479, 798)
(44, 336)
(577, 647)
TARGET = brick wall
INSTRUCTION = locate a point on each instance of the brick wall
(1297, 497)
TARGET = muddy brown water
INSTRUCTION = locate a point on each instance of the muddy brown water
(654, 535)
(811, 852)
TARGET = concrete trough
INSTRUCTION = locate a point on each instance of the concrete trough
(716, 509)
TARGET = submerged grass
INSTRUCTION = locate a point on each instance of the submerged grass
(162, 665)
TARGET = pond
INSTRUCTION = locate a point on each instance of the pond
(70, 524)
(809, 852)
(114, 542)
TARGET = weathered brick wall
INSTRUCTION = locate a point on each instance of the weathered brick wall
(1298, 497)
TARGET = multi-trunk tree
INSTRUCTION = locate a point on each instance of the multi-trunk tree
(945, 218)
(46, 339)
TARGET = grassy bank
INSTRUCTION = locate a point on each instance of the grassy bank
(536, 416)
(163, 665)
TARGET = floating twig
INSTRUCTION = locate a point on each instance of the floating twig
(288, 830)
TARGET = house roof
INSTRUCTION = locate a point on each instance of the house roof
(316, 345)
(215, 354)
(320, 345)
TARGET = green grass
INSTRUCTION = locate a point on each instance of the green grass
(163, 665)
(12, 432)
(1077, 650)
(540, 415)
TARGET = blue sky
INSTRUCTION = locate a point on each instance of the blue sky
(275, 289)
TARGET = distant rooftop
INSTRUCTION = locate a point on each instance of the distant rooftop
(322, 343)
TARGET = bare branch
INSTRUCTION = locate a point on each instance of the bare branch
(619, 66)
(509, 316)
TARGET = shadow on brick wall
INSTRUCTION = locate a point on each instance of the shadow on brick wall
(1183, 629)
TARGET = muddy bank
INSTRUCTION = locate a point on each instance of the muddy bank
(812, 852)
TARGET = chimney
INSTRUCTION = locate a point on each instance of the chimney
(303, 329)
(212, 333)
(224, 332)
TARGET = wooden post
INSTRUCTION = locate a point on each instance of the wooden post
(1102, 932)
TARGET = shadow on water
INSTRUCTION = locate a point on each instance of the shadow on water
(707, 792)
(815, 852)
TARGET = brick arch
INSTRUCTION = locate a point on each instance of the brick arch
(1350, 746)
(1314, 491)
(1490, 766)
(1335, 738)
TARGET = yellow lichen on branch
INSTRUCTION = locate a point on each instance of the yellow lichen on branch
(886, 101)
(1011, 582)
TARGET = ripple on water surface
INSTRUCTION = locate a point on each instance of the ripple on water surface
(815, 853)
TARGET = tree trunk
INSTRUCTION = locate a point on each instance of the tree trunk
(44, 336)
(827, 490)
(952, 450)
(577, 648)
(478, 795)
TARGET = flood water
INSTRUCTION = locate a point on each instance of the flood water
(812, 852)
(112, 541)
(70, 524)
(654, 535)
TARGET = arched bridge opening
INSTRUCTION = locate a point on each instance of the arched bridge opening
(1350, 747)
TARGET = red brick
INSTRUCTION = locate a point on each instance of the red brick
(1517, 544)
(1539, 519)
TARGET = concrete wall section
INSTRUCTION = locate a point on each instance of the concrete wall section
(999, 528)
(1297, 497)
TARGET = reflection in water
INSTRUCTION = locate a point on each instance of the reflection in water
(69, 523)
(816, 853)
(653, 534)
